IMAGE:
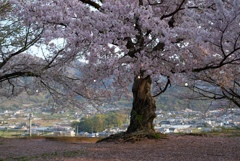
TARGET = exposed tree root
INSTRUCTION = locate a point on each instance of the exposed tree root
(133, 137)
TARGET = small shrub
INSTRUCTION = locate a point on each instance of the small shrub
(159, 136)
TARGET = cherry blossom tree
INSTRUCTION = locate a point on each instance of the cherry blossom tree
(219, 79)
(14, 41)
(150, 43)
(21, 68)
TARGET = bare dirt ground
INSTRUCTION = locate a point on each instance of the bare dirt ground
(174, 148)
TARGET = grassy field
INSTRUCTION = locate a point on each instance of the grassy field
(231, 132)
(225, 132)
(226, 141)
(11, 133)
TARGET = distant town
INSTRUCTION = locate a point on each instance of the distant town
(40, 121)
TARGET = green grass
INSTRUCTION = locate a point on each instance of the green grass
(18, 134)
(229, 132)
(224, 132)
(11, 133)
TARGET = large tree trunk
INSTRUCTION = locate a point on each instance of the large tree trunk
(144, 107)
(142, 115)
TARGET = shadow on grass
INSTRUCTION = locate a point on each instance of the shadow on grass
(73, 139)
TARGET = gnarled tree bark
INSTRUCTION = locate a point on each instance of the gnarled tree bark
(144, 107)
(142, 115)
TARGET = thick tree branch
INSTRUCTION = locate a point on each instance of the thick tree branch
(49, 65)
(175, 11)
(26, 46)
(164, 89)
(91, 3)
(17, 74)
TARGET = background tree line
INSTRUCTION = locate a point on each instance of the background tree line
(100, 122)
